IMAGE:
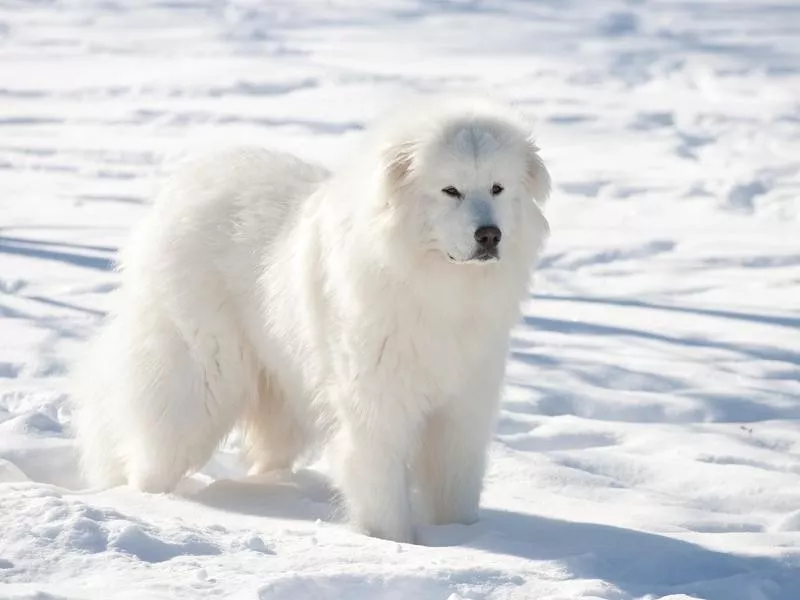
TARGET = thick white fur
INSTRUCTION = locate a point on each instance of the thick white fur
(313, 308)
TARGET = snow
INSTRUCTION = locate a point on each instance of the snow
(648, 445)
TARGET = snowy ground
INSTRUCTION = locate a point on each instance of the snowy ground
(649, 444)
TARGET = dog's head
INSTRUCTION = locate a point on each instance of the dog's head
(471, 180)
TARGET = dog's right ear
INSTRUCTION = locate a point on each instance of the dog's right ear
(399, 163)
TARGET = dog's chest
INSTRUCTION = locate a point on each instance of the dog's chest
(439, 355)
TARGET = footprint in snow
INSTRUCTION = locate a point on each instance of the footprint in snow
(136, 541)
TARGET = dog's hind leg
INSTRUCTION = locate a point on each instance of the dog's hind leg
(183, 390)
(274, 434)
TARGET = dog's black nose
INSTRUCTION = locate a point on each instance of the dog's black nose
(488, 237)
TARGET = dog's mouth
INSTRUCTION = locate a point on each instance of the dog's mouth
(485, 257)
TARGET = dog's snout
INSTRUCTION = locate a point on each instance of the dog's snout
(488, 237)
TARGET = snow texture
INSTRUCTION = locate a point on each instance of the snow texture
(648, 445)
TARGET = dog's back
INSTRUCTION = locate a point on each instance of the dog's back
(238, 195)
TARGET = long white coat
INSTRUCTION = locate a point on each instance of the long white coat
(349, 310)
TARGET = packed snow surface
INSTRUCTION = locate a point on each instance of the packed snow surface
(648, 445)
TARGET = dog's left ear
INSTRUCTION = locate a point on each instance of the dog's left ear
(399, 162)
(538, 174)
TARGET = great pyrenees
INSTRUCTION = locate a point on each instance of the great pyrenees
(366, 312)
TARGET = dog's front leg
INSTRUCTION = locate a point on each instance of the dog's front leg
(452, 458)
(376, 437)
(452, 462)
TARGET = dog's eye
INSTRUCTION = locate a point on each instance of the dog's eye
(452, 192)
(496, 189)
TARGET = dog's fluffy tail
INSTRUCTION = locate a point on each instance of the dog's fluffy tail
(92, 419)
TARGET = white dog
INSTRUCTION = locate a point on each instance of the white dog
(370, 309)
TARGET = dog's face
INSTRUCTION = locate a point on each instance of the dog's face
(472, 185)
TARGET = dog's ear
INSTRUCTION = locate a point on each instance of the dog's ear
(399, 162)
(538, 174)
